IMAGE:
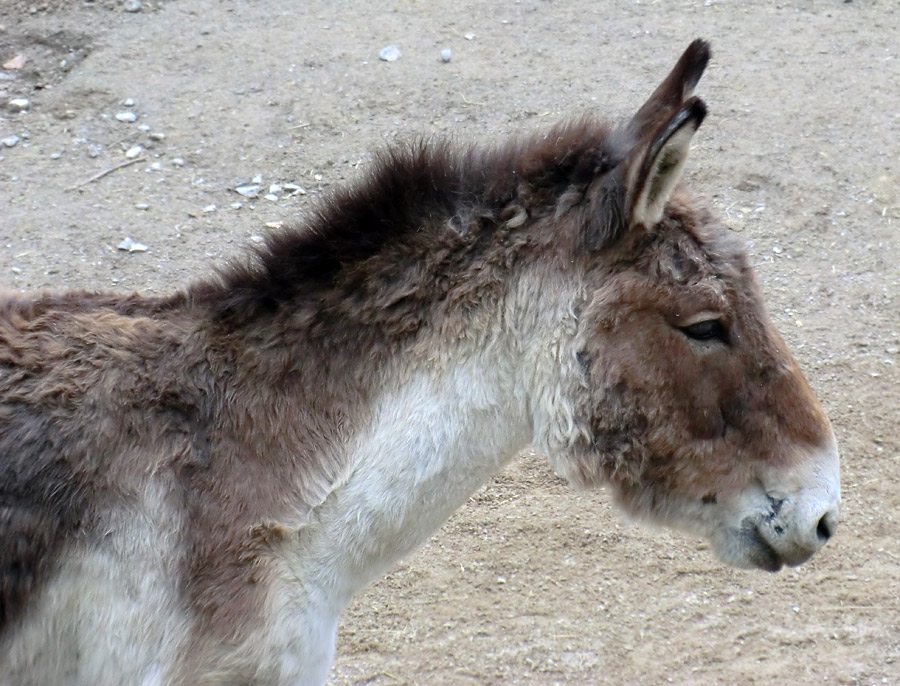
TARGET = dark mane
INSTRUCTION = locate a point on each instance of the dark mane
(404, 205)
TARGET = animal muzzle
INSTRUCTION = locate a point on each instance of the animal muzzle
(793, 529)
(786, 517)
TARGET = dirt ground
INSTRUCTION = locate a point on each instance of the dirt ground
(530, 583)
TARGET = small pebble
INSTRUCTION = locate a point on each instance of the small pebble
(271, 197)
(142, 206)
(157, 136)
(127, 102)
(293, 189)
(256, 238)
(177, 162)
(274, 188)
(127, 117)
(256, 179)
(16, 62)
(18, 104)
(156, 166)
(133, 152)
(129, 245)
(470, 36)
(144, 127)
(209, 208)
(237, 205)
(391, 53)
(11, 141)
(446, 54)
(777, 249)
(248, 190)
(55, 155)
(132, 5)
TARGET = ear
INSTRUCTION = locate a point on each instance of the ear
(655, 165)
(677, 87)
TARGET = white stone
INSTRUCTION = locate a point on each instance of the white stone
(18, 104)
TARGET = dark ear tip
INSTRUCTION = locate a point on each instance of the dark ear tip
(698, 110)
(695, 59)
(700, 48)
(700, 51)
(693, 110)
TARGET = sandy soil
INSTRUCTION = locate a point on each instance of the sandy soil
(529, 583)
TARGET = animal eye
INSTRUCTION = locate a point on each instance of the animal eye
(707, 330)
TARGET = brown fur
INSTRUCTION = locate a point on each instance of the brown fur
(674, 423)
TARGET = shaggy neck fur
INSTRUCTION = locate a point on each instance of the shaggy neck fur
(405, 342)
(440, 428)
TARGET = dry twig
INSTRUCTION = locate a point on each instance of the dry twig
(106, 172)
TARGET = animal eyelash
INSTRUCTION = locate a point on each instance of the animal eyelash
(707, 330)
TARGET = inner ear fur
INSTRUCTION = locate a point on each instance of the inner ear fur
(655, 166)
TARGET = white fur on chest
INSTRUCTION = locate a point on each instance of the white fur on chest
(111, 615)
(439, 430)
(432, 443)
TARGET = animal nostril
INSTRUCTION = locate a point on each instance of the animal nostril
(825, 528)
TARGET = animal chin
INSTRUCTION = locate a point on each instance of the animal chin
(757, 550)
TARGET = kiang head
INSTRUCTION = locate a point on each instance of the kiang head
(690, 406)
